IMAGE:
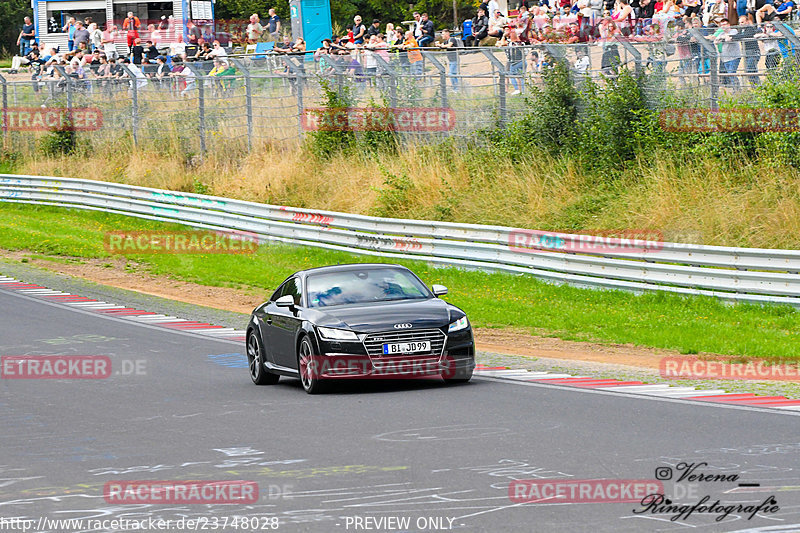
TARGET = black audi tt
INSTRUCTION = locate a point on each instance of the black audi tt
(358, 321)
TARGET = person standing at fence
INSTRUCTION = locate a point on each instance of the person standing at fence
(451, 44)
(359, 30)
(411, 46)
(107, 41)
(730, 51)
(770, 37)
(752, 51)
(254, 29)
(274, 24)
(139, 78)
(137, 52)
(516, 58)
(131, 25)
(187, 78)
(81, 35)
(417, 28)
(95, 37)
(69, 28)
(27, 35)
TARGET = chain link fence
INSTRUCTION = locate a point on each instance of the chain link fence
(253, 99)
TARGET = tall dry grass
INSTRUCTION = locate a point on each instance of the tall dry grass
(701, 200)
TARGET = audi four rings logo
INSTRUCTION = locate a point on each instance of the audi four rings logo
(402, 326)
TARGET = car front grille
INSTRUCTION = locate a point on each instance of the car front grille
(375, 341)
(407, 364)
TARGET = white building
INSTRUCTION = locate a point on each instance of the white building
(176, 12)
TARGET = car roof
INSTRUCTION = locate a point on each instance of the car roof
(345, 268)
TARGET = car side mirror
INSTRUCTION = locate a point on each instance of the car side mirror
(285, 301)
(439, 290)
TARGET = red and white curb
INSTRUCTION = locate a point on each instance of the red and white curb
(638, 387)
(120, 311)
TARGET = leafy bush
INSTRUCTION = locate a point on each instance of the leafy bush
(612, 118)
(394, 199)
(781, 90)
(331, 138)
(60, 141)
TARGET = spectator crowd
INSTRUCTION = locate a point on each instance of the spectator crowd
(158, 52)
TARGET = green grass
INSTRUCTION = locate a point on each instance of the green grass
(687, 324)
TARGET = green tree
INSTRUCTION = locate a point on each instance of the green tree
(12, 12)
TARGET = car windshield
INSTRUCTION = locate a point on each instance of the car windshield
(364, 286)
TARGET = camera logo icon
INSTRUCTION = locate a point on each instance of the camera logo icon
(663, 473)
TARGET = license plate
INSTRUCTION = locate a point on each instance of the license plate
(406, 347)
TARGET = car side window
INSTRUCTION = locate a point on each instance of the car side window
(277, 293)
(292, 288)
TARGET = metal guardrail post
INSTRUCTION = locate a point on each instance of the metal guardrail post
(711, 50)
(297, 71)
(248, 95)
(201, 103)
(442, 75)
(389, 71)
(637, 56)
(4, 90)
(501, 69)
(339, 71)
(69, 81)
(134, 104)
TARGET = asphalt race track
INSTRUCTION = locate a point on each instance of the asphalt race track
(178, 406)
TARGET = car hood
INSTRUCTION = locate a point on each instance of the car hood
(430, 313)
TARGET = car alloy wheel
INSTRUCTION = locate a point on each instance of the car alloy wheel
(308, 367)
(255, 362)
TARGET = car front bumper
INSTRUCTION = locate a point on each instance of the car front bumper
(349, 359)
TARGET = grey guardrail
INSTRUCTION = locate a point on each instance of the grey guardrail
(737, 274)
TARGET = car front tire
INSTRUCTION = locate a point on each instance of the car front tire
(454, 375)
(308, 368)
(255, 362)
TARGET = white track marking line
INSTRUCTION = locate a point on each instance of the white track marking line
(561, 376)
(38, 291)
(673, 392)
(638, 388)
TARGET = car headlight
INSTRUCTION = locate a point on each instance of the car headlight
(334, 334)
(458, 325)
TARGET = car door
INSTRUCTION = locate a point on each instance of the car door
(282, 325)
(265, 324)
